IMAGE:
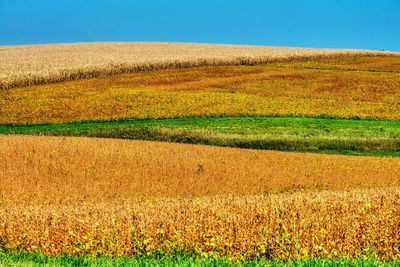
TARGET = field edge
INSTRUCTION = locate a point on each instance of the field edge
(295, 134)
(179, 259)
(111, 69)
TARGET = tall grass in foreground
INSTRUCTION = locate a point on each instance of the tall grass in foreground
(38, 64)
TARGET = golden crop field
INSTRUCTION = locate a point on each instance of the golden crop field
(122, 197)
(109, 197)
(274, 89)
(388, 64)
(95, 169)
(37, 64)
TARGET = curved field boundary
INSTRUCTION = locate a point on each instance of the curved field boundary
(216, 91)
(39, 64)
(71, 168)
(355, 137)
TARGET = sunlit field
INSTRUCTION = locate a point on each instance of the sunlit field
(332, 136)
(262, 90)
(38, 64)
(71, 187)
(103, 197)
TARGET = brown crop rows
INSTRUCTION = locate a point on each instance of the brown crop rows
(118, 197)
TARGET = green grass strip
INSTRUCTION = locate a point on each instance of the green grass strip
(18, 259)
(333, 136)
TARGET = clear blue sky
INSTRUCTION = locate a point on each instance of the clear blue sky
(365, 24)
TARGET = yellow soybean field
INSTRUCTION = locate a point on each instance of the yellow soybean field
(368, 91)
(83, 196)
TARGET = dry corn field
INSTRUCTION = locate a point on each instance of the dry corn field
(119, 197)
(37, 64)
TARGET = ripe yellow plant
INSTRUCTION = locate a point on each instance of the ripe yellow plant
(75, 169)
(263, 90)
(103, 197)
(98, 197)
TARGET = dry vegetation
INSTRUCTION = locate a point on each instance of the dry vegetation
(278, 89)
(37, 64)
(371, 63)
(117, 197)
(289, 226)
(64, 169)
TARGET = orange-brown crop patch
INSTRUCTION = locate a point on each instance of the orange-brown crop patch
(274, 89)
(78, 169)
(84, 196)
